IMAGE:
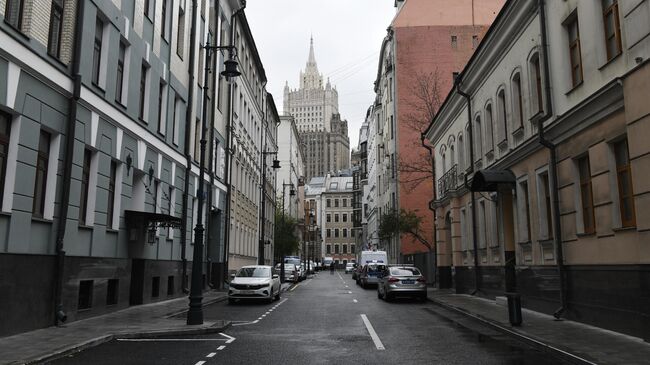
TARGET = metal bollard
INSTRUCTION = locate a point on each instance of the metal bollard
(514, 308)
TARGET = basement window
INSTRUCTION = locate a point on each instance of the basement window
(85, 300)
(112, 291)
(155, 286)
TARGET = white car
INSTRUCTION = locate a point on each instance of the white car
(254, 282)
(349, 267)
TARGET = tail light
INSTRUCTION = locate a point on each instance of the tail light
(422, 279)
(392, 279)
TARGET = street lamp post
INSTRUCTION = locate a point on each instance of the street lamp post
(292, 192)
(195, 312)
(276, 165)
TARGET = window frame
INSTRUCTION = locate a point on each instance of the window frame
(42, 165)
(612, 10)
(55, 32)
(627, 170)
(586, 188)
(574, 44)
(98, 46)
(5, 141)
(18, 23)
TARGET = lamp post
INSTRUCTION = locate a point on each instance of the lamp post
(195, 313)
(276, 165)
(292, 192)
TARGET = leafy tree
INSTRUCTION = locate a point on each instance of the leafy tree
(404, 222)
(286, 240)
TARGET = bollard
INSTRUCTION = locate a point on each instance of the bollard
(514, 308)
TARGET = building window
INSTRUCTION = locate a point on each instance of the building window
(483, 226)
(586, 195)
(345, 217)
(144, 73)
(336, 249)
(612, 28)
(170, 285)
(624, 178)
(111, 195)
(162, 108)
(56, 28)
(336, 218)
(119, 79)
(503, 118)
(97, 50)
(14, 13)
(197, 139)
(85, 300)
(525, 209)
(345, 232)
(163, 20)
(454, 42)
(155, 286)
(112, 292)
(336, 233)
(180, 36)
(344, 201)
(176, 121)
(147, 8)
(5, 132)
(517, 102)
(329, 233)
(536, 77)
(329, 203)
(336, 203)
(574, 49)
(546, 219)
(475, 41)
(40, 182)
(345, 248)
(328, 248)
(329, 218)
(85, 180)
(352, 248)
(489, 130)
(477, 138)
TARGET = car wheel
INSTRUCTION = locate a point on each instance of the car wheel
(277, 296)
(388, 297)
(271, 297)
(379, 296)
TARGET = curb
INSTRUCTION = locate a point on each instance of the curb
(65, 351)
(207, 302)
(528, 339)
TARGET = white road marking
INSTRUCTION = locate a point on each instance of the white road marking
(230, 338)
(200, 363)
(221, 348)
(372, 332)
(211, 354)
(294, 287)
(354, 300)
(168, 339)
(349, 292)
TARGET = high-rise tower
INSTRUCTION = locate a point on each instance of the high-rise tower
(315, 108)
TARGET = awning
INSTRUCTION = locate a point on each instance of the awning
(145, 219)
(489, 180)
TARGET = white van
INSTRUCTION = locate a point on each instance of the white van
(373, 256)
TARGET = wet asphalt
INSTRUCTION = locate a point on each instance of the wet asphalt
(321, 321)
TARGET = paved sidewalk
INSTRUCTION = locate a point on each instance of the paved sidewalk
(573, 341)
(153, 319)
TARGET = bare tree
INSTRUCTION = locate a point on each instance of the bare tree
(423, 101)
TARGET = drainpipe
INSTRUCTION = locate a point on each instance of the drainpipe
(473, 198)
(229, 127)
(557, 225)
(59, 315)
(188, 156)
(434, 245)
(213, 90)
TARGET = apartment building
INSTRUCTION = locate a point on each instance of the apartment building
(542, 161)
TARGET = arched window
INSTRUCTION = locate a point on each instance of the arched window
(478, 140)
(461, 153)
(502, 115)
(517, 101)
(452, 158)
(489, 130)
(536, 83)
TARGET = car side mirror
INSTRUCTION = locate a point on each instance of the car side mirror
(275, 276)
(232, 276)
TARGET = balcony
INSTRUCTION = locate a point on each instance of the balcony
(448, 182)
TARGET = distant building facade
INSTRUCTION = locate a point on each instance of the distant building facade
(324, 134)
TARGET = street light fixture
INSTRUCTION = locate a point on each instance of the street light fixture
(195, 313)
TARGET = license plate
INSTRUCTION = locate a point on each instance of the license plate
(410, 282)
(247, 291)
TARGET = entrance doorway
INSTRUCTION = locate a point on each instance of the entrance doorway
(137, 282)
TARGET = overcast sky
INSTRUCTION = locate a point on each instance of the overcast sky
(347, 38)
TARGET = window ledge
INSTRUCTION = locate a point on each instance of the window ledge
(98, 88)
(574, 87)
(83, 226)
(6, 214)
(111, 230)
(18, 31)
(624, 229)
(586, 234)
(42, 220)
(610, 61)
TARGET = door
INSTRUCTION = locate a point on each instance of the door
(137, 282)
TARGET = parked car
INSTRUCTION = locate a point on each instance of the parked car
(349, 267)
(370, 274)
(254, 282)
(290, 272)
(401, 281)
(356, 274)
(302, 272)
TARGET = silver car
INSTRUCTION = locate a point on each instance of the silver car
(401, 281)
(254, 282)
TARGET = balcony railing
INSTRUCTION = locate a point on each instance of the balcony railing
(448, 182)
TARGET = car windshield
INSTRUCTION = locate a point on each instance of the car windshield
(375, 268)
(404, 271)
(254, 272)
(289, 267)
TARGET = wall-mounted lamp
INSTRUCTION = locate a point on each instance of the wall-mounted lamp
(276, 163)
(150, 174)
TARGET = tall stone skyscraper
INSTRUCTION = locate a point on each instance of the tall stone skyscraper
(323, 133)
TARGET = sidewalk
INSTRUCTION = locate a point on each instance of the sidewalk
(145, 320)
(576, 342)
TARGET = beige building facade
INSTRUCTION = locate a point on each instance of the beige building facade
(542, 167)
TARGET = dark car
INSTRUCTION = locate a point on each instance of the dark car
(370, 274)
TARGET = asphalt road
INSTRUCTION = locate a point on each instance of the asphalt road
(323, 320)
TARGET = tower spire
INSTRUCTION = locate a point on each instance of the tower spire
(312, 59)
